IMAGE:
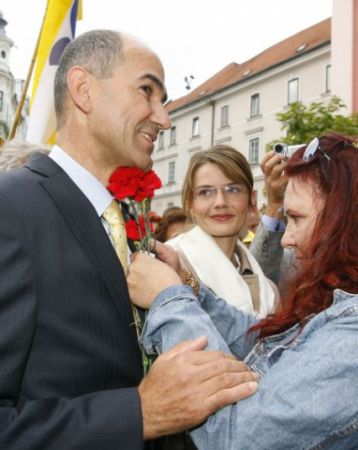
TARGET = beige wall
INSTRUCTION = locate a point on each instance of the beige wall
(272, 87)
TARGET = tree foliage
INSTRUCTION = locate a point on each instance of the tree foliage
(302, 123)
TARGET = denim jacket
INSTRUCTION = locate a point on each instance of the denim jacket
(308, 388)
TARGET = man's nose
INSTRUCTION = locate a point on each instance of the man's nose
(161, 117)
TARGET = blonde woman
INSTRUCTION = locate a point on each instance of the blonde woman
(217, 196)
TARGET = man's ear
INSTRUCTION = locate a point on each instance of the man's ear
(79, 83)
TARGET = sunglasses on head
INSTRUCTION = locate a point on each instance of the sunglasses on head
(312, 148)
(315, 146)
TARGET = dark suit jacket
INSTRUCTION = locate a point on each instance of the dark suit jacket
(69, 360)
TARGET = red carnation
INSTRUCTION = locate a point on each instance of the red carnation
(132, 229)
(133, 183)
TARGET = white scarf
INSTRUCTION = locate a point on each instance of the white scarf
(215, 270)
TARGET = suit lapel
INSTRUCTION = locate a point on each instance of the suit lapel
(85, 224)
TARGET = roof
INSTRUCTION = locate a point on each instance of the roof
(306, 40)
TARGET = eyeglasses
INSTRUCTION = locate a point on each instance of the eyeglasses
(312, 148)
(230, 190)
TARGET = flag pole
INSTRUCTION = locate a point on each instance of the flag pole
(21, 103)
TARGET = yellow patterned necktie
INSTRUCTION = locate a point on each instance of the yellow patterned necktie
(114, 217)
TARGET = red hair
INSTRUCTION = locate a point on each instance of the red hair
(334, 241)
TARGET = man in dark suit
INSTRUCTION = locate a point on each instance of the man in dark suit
(70, 366)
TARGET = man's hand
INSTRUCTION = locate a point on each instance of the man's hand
(272, 166)
(186, 385)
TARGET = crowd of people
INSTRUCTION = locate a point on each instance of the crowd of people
(255, 348)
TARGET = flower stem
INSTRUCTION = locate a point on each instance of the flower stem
(146, 360)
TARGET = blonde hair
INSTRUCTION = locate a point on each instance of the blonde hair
(230, 161)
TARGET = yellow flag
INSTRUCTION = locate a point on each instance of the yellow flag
(58, 31)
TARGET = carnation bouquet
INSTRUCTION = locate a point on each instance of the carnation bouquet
(137, 186)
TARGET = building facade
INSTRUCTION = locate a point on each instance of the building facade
(10, 88)
(238, 107)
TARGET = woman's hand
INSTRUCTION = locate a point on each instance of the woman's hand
(168, 255)
(147, 277)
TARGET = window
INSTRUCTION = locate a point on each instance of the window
(161, 141)
(1, 100)
(3, 54)
(292, 91)
(195, 129)
(255, 105)
(254, 151)
(171, 172)
(328, 78)
(173, 135)
(224, 116)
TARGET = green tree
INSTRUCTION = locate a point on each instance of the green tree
(302, 123)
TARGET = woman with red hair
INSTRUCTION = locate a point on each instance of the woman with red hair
(306, 354)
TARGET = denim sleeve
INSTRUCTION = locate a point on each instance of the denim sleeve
(174, 316)
(232, 323)
(177, 314)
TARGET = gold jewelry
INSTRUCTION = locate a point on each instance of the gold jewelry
(191, 281)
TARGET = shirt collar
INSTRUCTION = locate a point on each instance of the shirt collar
(242, 262)
(91, 187)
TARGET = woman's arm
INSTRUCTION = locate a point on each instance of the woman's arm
(232, 323)
(294, 406)
(148, 277)
(174, 316)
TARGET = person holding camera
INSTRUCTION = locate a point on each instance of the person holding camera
(275, 262)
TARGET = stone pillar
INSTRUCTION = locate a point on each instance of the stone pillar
(344, 53)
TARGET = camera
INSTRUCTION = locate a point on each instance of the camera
(286, 150)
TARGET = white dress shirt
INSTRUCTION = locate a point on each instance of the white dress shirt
(92, 188)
